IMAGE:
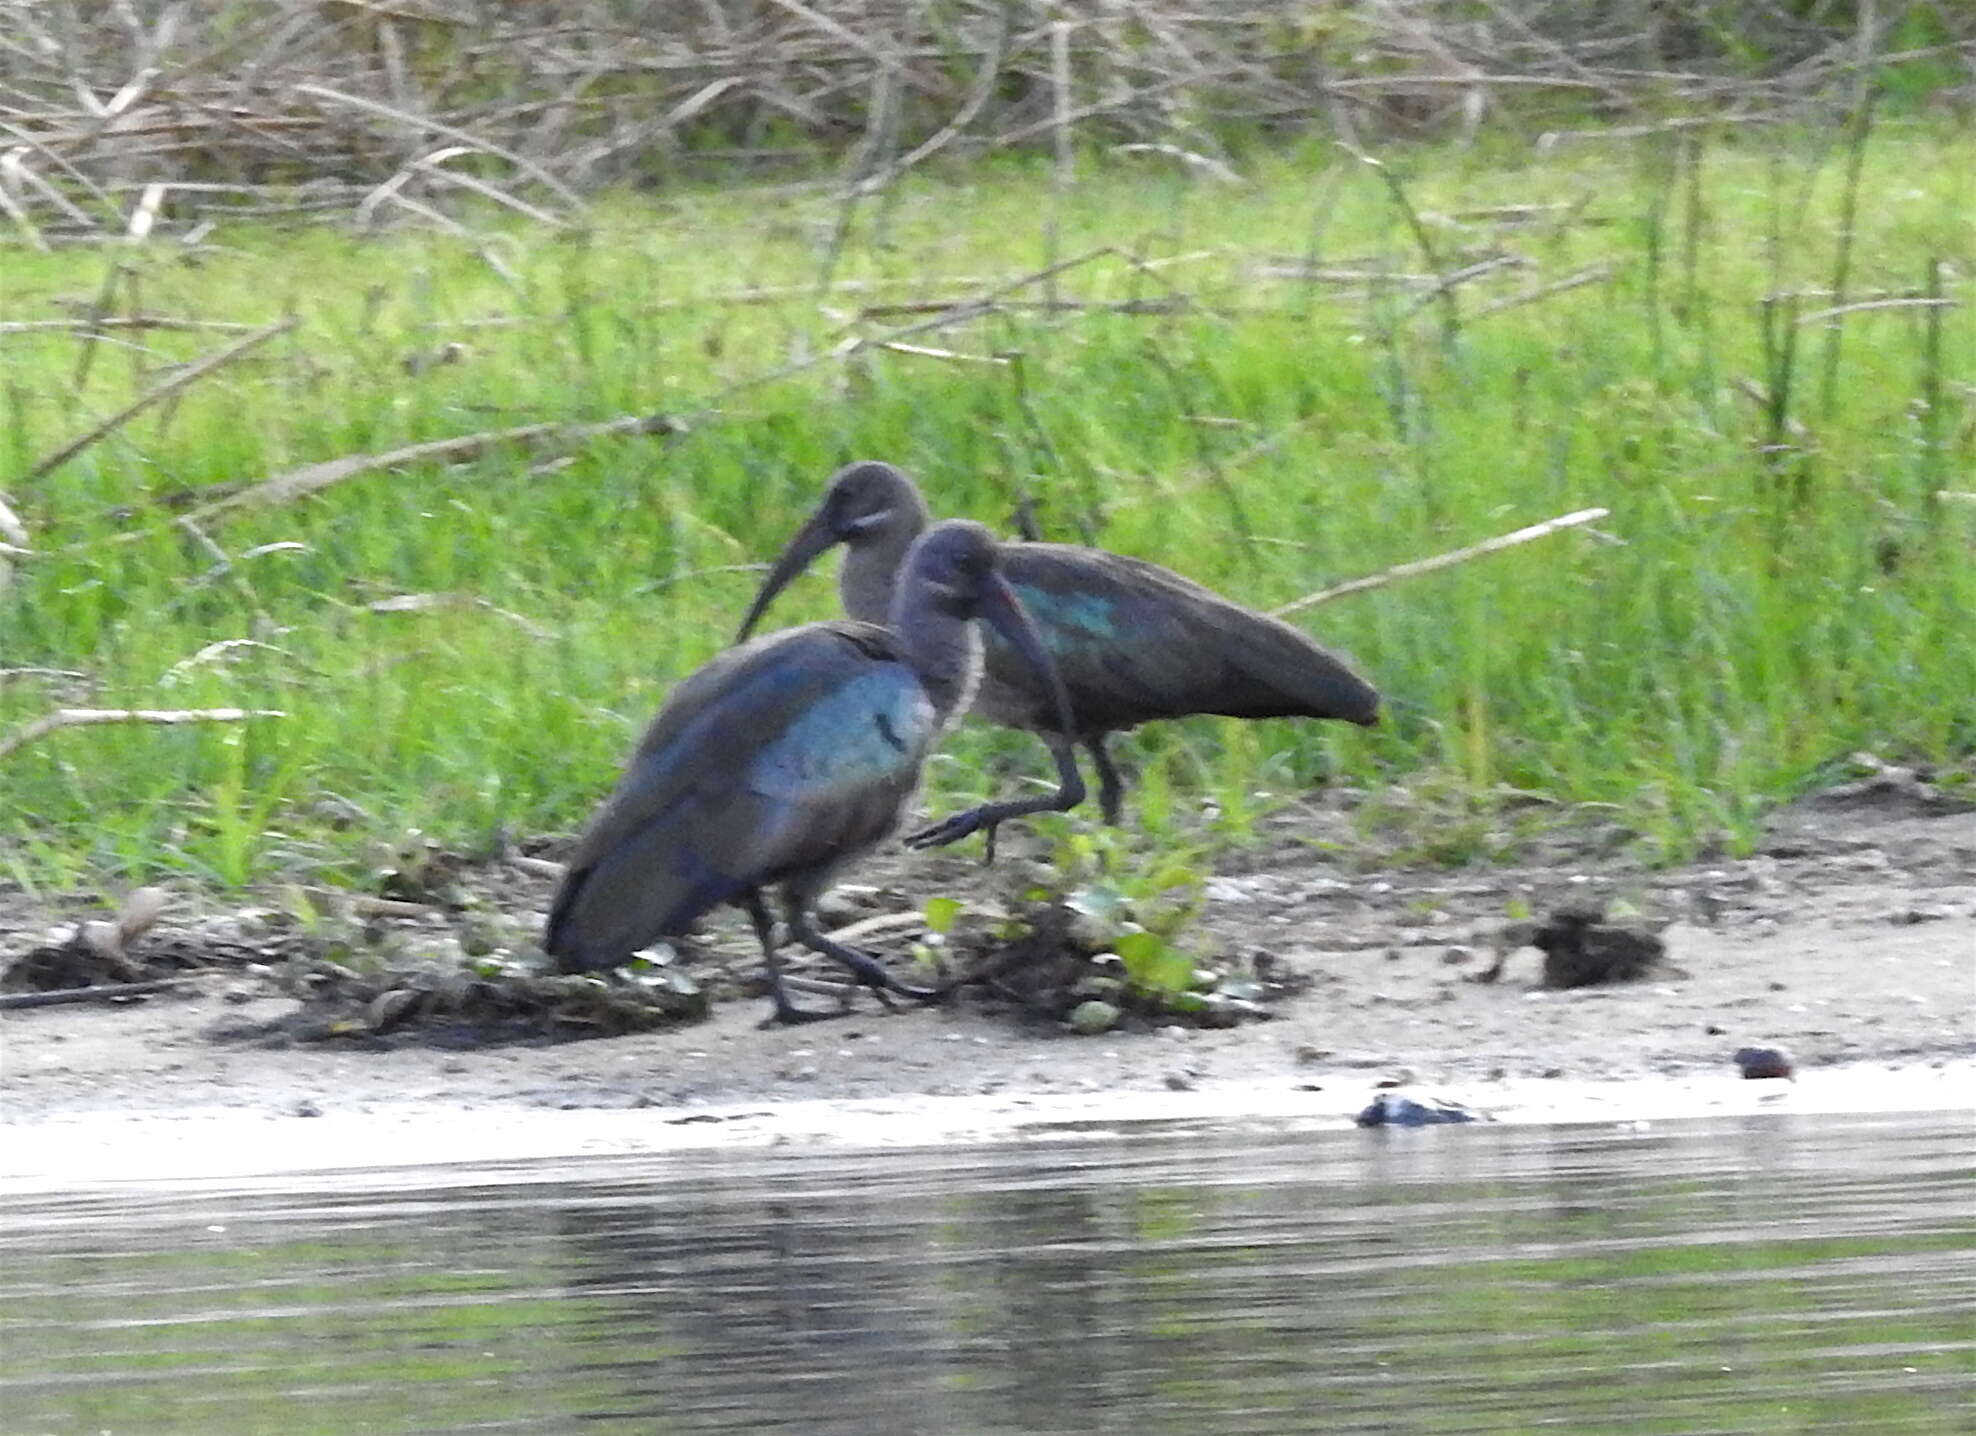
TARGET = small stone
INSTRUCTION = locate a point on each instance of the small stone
(307, 1108)
(1088, 1019)
(1909, 917)
(1307, 1054)
(1761, 1062)
(388, 1009)
(1387, 1110)
(1455, 956)
(1179, 1082)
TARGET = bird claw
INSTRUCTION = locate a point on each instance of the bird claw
(947, 830)
(955, 827)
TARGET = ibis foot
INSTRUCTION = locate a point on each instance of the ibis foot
(989, 816)
(865, 968)
(960, 825)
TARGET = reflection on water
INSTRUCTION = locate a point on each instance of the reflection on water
(1767, 1275)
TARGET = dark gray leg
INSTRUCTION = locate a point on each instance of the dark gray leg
(989, 816)
(864, 967)
(786, 1012)
(1111, 787)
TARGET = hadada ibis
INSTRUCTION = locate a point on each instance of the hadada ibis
(785, 759)
(1132, 641)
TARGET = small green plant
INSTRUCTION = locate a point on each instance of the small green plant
(1131, 908)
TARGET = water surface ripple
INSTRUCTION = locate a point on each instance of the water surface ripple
(1763, 1274)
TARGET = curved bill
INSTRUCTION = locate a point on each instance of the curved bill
(1002, 610)
(815, 536)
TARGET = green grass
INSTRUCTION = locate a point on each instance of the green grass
(1751, 619)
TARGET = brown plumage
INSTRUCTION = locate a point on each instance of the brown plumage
(1132, 641)
(785, 759)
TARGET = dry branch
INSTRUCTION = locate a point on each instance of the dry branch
(311, 478)
(100, 992)
(11, 527)
(190, 113)
(1592, 274)
(950, 355)
(83, 328)
(92, 717)
(184, 378)
(1867, 305)
(420, 123)
(1441, 561)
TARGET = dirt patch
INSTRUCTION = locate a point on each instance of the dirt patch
(1850, 937)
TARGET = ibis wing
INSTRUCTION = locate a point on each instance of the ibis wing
(755, 768)
(1135, 641)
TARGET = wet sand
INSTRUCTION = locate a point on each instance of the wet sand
(1850, 941)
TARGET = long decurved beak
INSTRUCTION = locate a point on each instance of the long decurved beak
(1003, 611)
(814, 537)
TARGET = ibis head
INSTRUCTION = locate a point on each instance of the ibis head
(873, 509)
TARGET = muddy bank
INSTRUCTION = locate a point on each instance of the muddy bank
(1850, 939)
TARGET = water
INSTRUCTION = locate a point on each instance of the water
(1763, 1274)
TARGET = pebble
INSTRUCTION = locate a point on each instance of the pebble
(1087, 1019)
(307, 1108)
(1387, 1110)
(1761, 1062)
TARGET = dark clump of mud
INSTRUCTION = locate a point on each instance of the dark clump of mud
(128, 950)
(1582, 949)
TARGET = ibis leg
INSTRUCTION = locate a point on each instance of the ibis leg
(1111, 787)
(989, 816)
(863, 966)
(786, 1012)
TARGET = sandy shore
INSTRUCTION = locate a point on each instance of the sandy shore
(1850, 942)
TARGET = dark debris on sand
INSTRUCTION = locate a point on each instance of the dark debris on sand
(470, 1005)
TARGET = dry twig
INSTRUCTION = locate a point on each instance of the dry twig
(101, 992)
(1441, 561)
(184, 378)
(311, 478)
(92, 717)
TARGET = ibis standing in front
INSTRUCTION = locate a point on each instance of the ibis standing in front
(785, 759)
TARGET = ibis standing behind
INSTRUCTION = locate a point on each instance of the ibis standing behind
(1132, 641)
(785, 759)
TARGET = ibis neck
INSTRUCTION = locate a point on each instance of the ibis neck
(942, 648)
(870, 571)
